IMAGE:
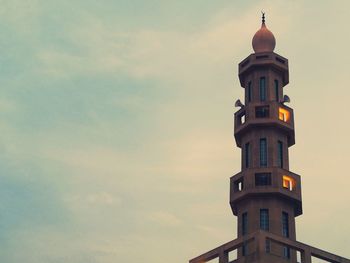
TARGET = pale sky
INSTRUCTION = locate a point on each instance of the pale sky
(116, 125)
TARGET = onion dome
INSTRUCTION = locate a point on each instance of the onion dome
(263, 40)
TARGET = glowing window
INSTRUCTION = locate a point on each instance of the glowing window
(283, 114)
(288, 183)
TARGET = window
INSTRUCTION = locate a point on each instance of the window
(263, 152)
(249, 95)
(286, 252)
(241, 118)
(238, 185)
(262, 179)
(262, 112)
(268, 246)
(285, 224)
(244, 223)
(264, 219)
(280, 60)
(283, 114)
(276, 90)
(280, 154)
(246, 154)
(262, 89)
(244, 249)
(288, 182)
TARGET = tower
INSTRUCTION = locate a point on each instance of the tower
(265, 195)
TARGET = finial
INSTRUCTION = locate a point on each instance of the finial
(263, 17)
(263, 40)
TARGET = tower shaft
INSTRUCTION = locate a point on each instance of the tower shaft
(265, 195)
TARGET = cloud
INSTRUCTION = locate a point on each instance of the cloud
(165, 218)
(146, 53)
(103, 199)
(94, 200)
(7, 105)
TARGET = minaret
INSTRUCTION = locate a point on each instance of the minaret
(265, 195)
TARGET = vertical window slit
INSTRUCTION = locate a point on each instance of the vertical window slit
(262, 89)
(263, 152)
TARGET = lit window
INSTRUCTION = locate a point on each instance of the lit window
(283, 114)
(288, 182)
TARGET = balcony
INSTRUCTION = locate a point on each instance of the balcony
(266, 181)
(272, 114)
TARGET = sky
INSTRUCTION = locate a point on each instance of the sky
(116, 125)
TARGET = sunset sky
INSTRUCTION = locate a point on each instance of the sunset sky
(117, 133)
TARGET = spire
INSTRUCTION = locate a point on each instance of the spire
(263, 17)
(263, 40)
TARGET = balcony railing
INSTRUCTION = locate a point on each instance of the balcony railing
(262, 113)
(259, 254)
(278, 181)
(272, 114)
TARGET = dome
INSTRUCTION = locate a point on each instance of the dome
(263, 40)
